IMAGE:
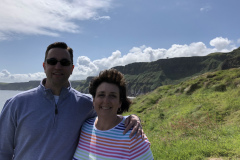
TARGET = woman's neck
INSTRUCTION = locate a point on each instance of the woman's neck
(107, 123)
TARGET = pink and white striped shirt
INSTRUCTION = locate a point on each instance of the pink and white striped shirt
(110, 144)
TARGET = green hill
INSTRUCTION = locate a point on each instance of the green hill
(144, 77)
(147, 76)
(195, 119)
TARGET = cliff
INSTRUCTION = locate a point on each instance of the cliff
(143, 77)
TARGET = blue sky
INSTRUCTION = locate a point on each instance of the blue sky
(108, 33)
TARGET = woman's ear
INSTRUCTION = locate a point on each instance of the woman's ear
(120, 104)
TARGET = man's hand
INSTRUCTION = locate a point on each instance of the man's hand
(134, 121)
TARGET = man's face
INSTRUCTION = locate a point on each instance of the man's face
(58, 74)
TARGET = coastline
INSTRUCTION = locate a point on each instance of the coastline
(5, 95)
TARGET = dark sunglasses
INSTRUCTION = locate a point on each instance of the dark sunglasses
(54, 61)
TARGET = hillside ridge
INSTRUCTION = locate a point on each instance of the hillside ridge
(144, 77)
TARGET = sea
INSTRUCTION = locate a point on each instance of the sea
(5, 95)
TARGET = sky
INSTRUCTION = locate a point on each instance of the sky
(108, 33)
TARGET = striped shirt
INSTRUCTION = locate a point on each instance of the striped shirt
(110, 144)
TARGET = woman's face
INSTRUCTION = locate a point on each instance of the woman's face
(107, 99)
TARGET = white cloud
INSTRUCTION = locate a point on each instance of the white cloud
(205, 8)
(3, 37)
(194, 49)
(84, 67)
(221, 44)
(5, 73)
(103, 17)
(47, 17)
(6, 76)
(238, 41)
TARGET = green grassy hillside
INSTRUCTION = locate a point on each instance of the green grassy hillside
(196, 119)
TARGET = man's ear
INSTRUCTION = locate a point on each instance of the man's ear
(43, 66)
(72, 68)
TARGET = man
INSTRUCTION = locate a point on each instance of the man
(44, 123)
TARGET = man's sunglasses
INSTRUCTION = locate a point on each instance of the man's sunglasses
(54, 61)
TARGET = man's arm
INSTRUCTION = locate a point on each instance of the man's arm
(135, 122)
(7, 130)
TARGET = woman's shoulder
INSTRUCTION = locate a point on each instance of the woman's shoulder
(119, 129)
(90, 121)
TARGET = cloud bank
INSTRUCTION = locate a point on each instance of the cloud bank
(47, 17)
(85, 67)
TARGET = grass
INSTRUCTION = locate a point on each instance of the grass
(196, 119)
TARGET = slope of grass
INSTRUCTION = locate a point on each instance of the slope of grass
(196, 119)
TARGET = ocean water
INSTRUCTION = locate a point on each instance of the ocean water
(5, 95)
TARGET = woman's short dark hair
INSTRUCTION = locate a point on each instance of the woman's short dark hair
(115, 77)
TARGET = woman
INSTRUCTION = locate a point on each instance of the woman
(101, 137)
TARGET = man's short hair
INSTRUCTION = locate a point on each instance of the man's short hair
(62, 45)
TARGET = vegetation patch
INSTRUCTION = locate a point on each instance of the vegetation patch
(199, 123)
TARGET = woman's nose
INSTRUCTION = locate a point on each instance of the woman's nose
(106, 99)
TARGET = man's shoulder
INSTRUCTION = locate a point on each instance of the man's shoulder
(22, 96)
(85, 96)
(80, 94)
(26, 93)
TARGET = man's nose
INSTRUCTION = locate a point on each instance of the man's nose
(58, 65)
